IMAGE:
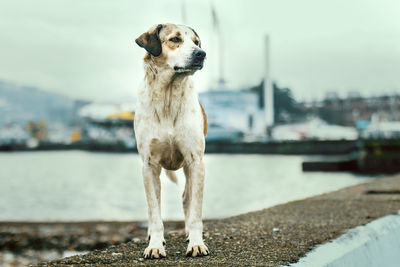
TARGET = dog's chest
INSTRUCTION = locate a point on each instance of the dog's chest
(169, 139)
(163, 125)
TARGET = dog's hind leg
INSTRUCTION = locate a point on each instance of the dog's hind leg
(193, 201)
(151, 178)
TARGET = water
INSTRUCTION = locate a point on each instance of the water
(77, 185)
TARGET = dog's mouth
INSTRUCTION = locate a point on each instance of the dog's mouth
(192, 67)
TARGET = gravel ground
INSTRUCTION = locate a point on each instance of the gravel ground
(24, 243)
(271, 237)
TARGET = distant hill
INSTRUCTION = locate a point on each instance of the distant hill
(20, 104)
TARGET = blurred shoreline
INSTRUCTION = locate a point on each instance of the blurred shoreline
(366, 156)
(306, 147)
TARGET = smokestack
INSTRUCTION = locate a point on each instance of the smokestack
(268, 90)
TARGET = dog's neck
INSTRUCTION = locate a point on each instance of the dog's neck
(164, 77)
(168, 89)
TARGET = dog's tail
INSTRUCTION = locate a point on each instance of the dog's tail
(172, 176)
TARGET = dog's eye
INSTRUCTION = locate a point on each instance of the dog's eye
(175, 39)
(196, 42)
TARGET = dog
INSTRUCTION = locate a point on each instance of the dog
(170, 127)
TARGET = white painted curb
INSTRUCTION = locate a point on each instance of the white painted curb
(374, 244)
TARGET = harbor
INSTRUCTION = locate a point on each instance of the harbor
(300, 114)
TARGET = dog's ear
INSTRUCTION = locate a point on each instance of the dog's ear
(151, 40)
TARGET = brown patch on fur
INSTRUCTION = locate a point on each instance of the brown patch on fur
(196, 40)
(195, 33)
(158, 117)
(170, 31)
(147, 56)
(172, 45)
(204, 120)
(198, 37)
(169, 155)
(167, 30)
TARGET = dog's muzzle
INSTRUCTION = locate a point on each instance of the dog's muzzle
(196, 62)
(198, 57)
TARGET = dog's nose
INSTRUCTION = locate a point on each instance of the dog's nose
(200, 54)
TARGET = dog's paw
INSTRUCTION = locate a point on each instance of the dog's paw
(197, 251)
(154, 253)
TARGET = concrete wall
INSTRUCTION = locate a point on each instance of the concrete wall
(374, 244)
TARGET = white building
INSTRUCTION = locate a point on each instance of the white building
(233, 110)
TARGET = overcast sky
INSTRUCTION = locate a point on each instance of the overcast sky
(86, 49)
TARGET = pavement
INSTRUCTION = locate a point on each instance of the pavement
(276, 236)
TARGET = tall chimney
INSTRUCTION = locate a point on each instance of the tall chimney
(268, 90)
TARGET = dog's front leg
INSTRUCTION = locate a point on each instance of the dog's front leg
(193, 209)
(151, 178)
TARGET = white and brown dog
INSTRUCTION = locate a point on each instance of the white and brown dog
(170, 127)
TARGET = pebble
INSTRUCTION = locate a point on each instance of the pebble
(116, 254)
(136, 239)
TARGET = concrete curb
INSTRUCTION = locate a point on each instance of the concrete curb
(374, 244)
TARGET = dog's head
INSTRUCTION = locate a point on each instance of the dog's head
(175, 46)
